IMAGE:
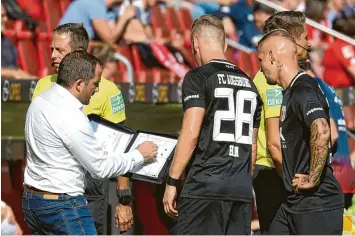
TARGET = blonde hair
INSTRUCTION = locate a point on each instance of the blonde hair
(210, 28)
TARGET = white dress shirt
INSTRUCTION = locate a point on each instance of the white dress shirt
(61, 146)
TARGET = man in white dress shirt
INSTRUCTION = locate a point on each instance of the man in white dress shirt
(61, 147)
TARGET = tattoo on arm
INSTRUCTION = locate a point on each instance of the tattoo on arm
(319, 141)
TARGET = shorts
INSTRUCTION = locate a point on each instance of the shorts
(317, 223)
(269, 195)
(218, 217)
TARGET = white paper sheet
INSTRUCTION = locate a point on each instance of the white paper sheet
(154, 166)
(111, 140)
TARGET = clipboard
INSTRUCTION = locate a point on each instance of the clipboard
(152, 171)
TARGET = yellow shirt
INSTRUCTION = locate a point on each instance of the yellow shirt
(107, 103)
(271, 95)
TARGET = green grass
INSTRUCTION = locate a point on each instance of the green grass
(164, 118)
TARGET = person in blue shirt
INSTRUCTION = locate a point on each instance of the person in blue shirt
(341, 163)
(97, 15)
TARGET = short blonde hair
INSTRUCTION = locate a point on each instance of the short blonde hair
(213, 26)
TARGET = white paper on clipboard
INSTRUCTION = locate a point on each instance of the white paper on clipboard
(111, 140)
(153, 167)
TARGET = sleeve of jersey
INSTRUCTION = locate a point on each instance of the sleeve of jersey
(114, 107)
(193, 91)
(272, 101)
(308, 105)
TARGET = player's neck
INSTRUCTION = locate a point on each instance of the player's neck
(213, 56)
(288, 74)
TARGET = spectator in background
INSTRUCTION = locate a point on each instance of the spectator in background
(339, 58)
(106, 55)
(316, 10)
(9, 67)
(97, 16)
(251, 33)
(349, 7)
(335, 7)
(9, 225)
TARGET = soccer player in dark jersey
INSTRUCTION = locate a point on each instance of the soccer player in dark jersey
(221, 118)
(268, 185)
(314, 203)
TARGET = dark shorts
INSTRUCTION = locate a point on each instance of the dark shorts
(317, 223)
(218, 217)
(269, 195)
(96, 193)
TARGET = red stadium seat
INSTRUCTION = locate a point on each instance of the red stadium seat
(185, 20)
(64, 5)
(144, 74)
(172, 21)
(122, 75)
(28, 55)
(52, 14)
(158, 23)
(231, 55)
(248, 62)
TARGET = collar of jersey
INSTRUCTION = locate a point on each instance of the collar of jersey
(221, 61)
(296, 77)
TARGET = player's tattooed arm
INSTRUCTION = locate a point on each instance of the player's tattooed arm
(319, 144)
(254, 149)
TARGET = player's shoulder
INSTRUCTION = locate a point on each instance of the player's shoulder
(304, 81)
(48, 79)
(107, 86)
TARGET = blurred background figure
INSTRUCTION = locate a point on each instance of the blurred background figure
(9, 67)
(9, 225)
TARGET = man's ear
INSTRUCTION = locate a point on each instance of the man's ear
(195, 43)
(271, 57)
(79, 85)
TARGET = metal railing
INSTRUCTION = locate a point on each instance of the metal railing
(311, 23)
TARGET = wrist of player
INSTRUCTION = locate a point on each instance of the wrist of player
(124, 196)
(172, 181)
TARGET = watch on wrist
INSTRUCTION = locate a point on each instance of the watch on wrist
(172, 182)
(124, 196)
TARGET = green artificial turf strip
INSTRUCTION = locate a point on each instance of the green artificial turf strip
(166, 118)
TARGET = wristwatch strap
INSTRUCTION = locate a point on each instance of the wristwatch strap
(123, 192)
(172, 182)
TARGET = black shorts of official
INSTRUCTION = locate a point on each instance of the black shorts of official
(318, 223)
(218, 217)
(270, 193)
(96, 193)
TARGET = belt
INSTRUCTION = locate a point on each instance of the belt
(46, 195)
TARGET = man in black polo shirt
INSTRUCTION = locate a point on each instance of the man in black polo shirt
(314, 203)
(221, 116)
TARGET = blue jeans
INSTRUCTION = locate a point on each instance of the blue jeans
(65, 215)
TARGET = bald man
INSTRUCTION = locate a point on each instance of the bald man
(221, 117)
(314, 203)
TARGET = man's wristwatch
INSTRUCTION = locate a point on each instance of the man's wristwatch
(172, 182)
(124, 196)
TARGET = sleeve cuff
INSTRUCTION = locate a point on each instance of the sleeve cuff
(137, 157)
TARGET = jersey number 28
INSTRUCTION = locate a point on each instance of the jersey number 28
(242, 112)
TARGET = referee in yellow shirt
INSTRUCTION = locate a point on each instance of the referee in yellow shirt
(268, 185)
(107, 103)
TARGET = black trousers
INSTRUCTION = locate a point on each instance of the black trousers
(218, 217)
(269, 193)
(317, 223)
(96, 193)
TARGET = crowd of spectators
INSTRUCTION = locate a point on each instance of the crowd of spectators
(130, 22)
